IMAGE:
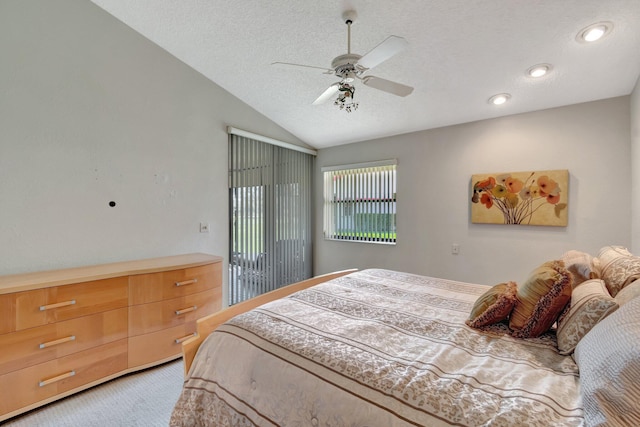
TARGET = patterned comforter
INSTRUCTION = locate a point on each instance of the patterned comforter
(377, 348)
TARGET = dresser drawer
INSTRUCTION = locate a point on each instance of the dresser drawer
(37, 345)
(144, 288)
(152, 317)
(159, 345)
(45, 380)
(49, 305)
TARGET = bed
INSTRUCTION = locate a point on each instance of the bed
(386, 348)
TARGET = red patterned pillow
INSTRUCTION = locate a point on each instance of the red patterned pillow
(493, 306)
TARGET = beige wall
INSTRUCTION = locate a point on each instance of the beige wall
(92, 112)
(591, 140)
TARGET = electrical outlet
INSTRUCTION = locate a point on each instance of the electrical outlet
(204, 227)
(455, 249)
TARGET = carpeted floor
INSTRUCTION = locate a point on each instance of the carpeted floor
(141, 399)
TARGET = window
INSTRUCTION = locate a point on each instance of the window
(360, 202)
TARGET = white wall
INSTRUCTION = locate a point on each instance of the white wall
(635, 169)
(434, 171)
(92, 112)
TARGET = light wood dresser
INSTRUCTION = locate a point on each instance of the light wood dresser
(64, 331)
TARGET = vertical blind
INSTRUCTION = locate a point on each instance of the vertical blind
(360, 202)
(270, 217)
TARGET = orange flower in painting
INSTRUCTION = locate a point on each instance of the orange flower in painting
(486, 200)
(553, 198)
(482, 186)
(547, 186)
(514, 185)
(487, 184)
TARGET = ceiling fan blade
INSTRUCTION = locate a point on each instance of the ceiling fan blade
(324, 70)
(387, 85)
(385, 50)
(327, 94)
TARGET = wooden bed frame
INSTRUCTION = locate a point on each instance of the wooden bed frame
(207, 324)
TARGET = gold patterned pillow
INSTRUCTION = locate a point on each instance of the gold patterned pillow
(540, 300)
(590, 303)
(493, 306)
(618, 268)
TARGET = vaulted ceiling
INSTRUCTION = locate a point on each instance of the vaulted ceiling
(459, 54)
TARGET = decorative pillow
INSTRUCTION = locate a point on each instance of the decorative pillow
(581, 265)
(540, 300)
(628, 293)
(493, 306)
(609, 363)
(590, 303)
(618, 268)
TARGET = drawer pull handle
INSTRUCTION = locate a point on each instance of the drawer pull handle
(187, 282)
(55, 379)
(57, 305)
(186, 310)
(183, 339)
(58, 341)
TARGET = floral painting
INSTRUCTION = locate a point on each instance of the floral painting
(525, 198)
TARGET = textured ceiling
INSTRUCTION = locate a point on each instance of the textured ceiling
(460, 53)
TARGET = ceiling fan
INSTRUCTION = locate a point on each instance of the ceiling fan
(351, 66)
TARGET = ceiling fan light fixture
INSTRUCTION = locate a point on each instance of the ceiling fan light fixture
(594, 32)
(344, 101)
(539, 70)
(499, 99)
(349, 77)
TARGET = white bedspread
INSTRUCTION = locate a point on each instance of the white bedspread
(377, 348)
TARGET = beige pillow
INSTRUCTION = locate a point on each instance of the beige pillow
(540, 300)
(609, 363)
(590, 303)
(493, 306)
(618, 268)
(581, 265)
(628, 293)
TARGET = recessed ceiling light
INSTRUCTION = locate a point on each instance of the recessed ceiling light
(594, 32)
(499, 99)
(538, 70)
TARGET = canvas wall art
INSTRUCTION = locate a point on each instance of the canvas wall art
(524, 198)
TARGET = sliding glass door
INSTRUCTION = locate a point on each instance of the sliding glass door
(270, 235)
